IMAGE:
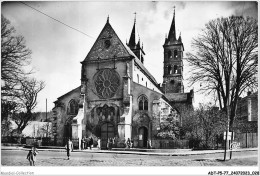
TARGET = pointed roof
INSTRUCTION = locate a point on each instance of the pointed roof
(179, 39)
(114, 48)
(132, 37)
(172, 32)
(118, 48)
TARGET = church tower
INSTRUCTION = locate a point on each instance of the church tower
(136, 47)
(173, 62)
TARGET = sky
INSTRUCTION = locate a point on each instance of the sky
(57, 49)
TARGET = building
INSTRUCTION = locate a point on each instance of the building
(246, 122)
(247, 113)
(118, 97)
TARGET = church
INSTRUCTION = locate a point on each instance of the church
(118, 97)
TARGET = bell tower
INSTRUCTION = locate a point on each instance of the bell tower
(137, 49)
(173, 62)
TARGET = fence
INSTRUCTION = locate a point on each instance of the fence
(247, 140)
(39, 141)
(170, 144)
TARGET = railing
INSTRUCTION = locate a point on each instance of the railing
(170, 144)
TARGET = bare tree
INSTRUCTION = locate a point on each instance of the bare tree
(225, 60)
(15, 56)
(18, 91)
(27, 97)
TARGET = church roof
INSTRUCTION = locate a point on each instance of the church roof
(172, 32)
(66, 94)
(171, 39)
(177, 97)
(125, 51)
(132, 38)
(140, 64)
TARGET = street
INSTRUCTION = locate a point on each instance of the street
(89, 158)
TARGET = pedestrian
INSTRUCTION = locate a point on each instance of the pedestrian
(90, 143)
(128, 143)
(98, 142)
(85, 143)
(114, 142)
(82, 143)
(31, 156)
(69, 148)
(132, 143)
(110, 143)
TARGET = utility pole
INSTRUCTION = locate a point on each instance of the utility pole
(47, 120)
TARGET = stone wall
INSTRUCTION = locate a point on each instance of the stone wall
(60, 115)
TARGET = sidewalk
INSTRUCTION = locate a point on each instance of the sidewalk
(137, 151)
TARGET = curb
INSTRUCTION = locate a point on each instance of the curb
(136, 153)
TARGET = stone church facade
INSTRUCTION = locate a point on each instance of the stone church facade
(118, 97)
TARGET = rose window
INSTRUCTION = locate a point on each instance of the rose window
(106, 82)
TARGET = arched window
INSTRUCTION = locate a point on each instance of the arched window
(169, 54)
(169, 69)
(137, 78)
(72, 107)
(175, 69)
(175, 53)
(143, 103)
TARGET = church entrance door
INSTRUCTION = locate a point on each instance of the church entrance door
(143, 137)
(107, 131)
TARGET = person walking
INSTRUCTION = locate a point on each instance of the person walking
(128, 143)
(31, 156)
(98, 142)
(91, 143)
(82, 143)
(69, 148)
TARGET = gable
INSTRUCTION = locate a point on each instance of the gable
(74, 91)
(107, 46)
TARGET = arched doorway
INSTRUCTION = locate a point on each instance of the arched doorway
(143, 137)
(67, 130)
(107, 131)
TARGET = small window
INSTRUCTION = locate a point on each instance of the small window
(73, 107)
(175, 69)
(169, 54)
(146, 84)
(169, 69)
(137, 78)
(175, 53)
(143, 103)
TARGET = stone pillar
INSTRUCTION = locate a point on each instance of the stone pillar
(128, 121)
(126, 124)
(77, 122)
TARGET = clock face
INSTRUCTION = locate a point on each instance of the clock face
(107, 43)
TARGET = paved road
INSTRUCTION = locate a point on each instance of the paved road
(51, 158)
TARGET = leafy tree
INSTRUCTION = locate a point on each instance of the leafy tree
(225, 60)
(203, 125)
(169, 128)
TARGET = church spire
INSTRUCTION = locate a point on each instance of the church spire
(132, 36)
(108, 19)
(172, 32)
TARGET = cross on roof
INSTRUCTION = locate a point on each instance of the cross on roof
(135, 16)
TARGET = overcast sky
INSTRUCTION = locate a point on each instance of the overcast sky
(57, 50)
